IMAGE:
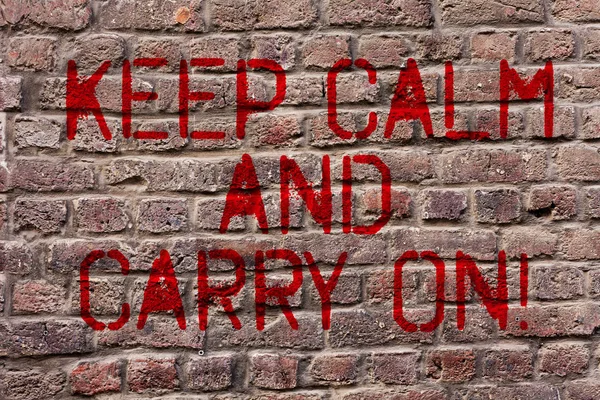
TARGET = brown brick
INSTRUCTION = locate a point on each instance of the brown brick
(33, 297)
(32, 384)
(273, 371)
(154, 375)
(492, 46)
(499, 206)
(508, 364)
(90, 51)
(46, 176)
(279, 48)
(384, 50)
(395, 368)
(91, 378)
(443, 204)
(31, 53)
(334, 369)
(557, 202)
(564, 358)
(210, 373)
(10, 93)
(324, 51)
(179, 15)
(225, 47)
(533, 242)
(582, 11)
(37, 132)
(236, 15)
(162, 215)
(558, 282)
(591, 44)
(452, 366)
(479, 12)
(47, 216)
(101, 214)
(415, 13)
(578, 162)
(549, 44)
(439, 48)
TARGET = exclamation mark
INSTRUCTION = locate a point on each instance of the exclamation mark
(524, 284)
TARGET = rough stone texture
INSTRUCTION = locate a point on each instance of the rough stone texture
(63, 199)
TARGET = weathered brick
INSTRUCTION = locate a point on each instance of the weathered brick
(490, 46)
(273, 371)
(37, 132)
(579, 84)
(581, 390)
(168, 49)
(453, 366)
(303, 90)
(324, 51)
(10, 93)
(48, 176)
(395, 368)
(508, 364)
(91, 378)
(575, 320)
(581, 244)
(443, 204)
(497, 206)
(166, 215)
(591, 44)
(549, 44)
(308, 336)
(578, 163)
(15, 258)
(90, 51)
(280, 48)
(334, 369)
(384, 50)
(557, 202)
(39, 296)
(210, 373)
(564, 122)
(439, 48)
(592, 199)
(274, 130)
(590, 126)
(225, 47)
(492, 166)
(558, 282)
(414, 13)
(236, 15)
(31, 53)
(47, 216)
(564, 358)
(179, 15)
(533, 242)
(152, 375)
(101, 214)
(106, 296)
(479, 12)
(400, 203)
(581, 11)
(32, 384)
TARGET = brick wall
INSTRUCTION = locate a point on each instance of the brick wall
(63, 198)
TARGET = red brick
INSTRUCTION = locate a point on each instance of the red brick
(34, 297)
(238, 15)
(578, 84)
(280, 48)
(591, 44)
(581, 11)
(575, 320)
(152, 375)
(533, 242)
(274, 130)
(581, 244)
(513, 363)
(308, 336)
(15, 258)
(101, 214)
(91, 378)
(47, 176)
(497, 206)
(490, 46)
(439, 48)
(590, 126)
(452, 366)
(47, 216)
(479, 12)
(558, 282)
(384, 50)
(557, 202)
(168, 49)
(579, 163)
(31, 384)
(10, 93)
(581, 390)
(334, 369)
(549, 44)
(564, 358)
(273, 371)
(31, 53)
(443, 204)
(324, 51)
(395, 368)
(179, 15)
(90, 51)
(564, 122)
(414, 13)
(479, 244)
(400, 203)
(37, 132)
(210, 373)
(592, 198)
(225, 47)
(166, 215)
